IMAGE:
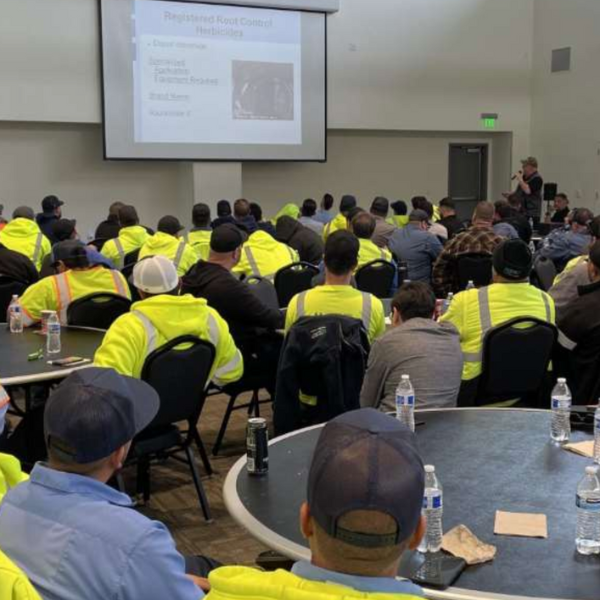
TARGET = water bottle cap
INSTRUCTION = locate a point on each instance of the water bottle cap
(562, 380)
(429, 469)
(405, 377)
(592, 470)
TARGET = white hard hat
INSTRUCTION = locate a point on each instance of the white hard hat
(155, 275)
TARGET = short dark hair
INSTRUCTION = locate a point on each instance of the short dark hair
(23, 212)
(241, 208)
(595, 255)
(201, 215)
(448, 203)
(363, 226)
(256, 211)
(309, 208)
(341, 252)
(503, 209)
(327, 202)
(563, 196)
(399, 207)
(595, 228)
(347, 203)
(353, 212)
(428, 208)
(223, 208)
(583, 216)
(115, 207)
(380, 206)
(515, 202)
(128, 216)
(414, 300)
(419, 202)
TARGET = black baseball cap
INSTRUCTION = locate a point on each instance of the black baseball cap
(63, 229)
(170, 225)
(513, 260)
(96, 411)
(227, 238)
(366, 460)
(71, 252)
(347, 203)
(51, 203)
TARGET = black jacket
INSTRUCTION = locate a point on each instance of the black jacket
(232, 299)
(580, 322)
(109, 229)
(521, 223)
(308, 244)
(45, 222)
(323, 358)
(17, 266)
(248, 224)
(453, 224)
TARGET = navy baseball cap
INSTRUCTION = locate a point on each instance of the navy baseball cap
(366, 460)
(96, 411)
(50, 203)
(513, 260)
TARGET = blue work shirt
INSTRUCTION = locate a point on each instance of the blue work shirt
(562, 245)
(506, 230)
(324, 216)
(418, 248)
(78, 538)
(381, 585)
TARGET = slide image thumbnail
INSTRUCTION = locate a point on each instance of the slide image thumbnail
(263, 91)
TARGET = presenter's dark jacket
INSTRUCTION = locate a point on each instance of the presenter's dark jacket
(232, 299)
(580, 323)
(532, 203)
(17, 266)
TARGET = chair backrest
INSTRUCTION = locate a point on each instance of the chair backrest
(179, 372)
(97, 310)
(292, 280)
(475, 267)
(515, 361)
(545, 273)
(264, 290)
(8, 288)
(377, 278)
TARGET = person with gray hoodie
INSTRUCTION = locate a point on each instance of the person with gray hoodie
(417, 346)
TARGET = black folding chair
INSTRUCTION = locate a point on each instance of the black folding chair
(179, 372)
(516, 356)
(544, 273)
(8, 288)
(292, 280)
(97, 310)
(264, 290)
(376, 277)
(475, 267)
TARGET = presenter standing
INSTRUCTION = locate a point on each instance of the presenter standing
(529, 190)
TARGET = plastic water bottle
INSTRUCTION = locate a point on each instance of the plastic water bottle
(597, 436)
(405, 402)
(433, 509)
(588, 513)
(560, 429)
(15, 315)
(53, 337)
(470, 285)
(447, 302)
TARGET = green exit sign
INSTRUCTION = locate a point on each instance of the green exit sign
(489, 120)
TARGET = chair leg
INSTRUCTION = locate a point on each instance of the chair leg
(198, 484)
(202, 451)
(224, 424)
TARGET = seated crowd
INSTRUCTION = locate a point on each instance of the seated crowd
(206, 283)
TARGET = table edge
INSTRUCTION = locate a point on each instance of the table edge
(263, 534)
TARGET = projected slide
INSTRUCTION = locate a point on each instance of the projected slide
(216, 74)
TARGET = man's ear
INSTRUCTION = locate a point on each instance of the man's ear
(418, 535)
(396, 318)
(306, 524)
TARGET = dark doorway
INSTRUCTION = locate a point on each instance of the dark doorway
(468, 176)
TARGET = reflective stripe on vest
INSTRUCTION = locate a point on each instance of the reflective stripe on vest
(485, 316)
(38, 248)
(292, 255)
(251, 261)
(367, 308)
(64, 296)
(121, 253)
(179, 254)
(151, 332)
(119, 284)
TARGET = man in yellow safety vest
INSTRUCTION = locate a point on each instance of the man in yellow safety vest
(199, 237)
(475, 312)
(132, 236)
(340, 222)
(363, 226)
(76, 279)
(337, 296)
(167, 242)
(161, 316)
(23, 235)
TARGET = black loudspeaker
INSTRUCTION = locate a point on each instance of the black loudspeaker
(550, 191)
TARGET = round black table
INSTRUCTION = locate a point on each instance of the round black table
(16, 370)
(487, 460)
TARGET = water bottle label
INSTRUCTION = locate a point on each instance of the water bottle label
(54, 328)
(432, 502)
(557, 404)
(405, 400)
(591, 505)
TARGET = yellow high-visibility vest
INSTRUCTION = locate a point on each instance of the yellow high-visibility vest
(263, 256)
(25, 237)
(183, 256)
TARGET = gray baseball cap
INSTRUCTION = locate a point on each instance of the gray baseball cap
(366, 460)
(96, 411)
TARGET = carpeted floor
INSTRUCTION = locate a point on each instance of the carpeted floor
(174, 501)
